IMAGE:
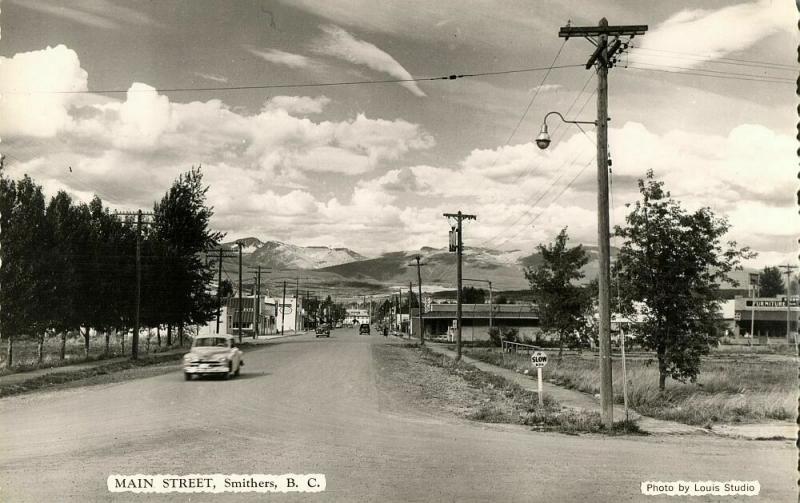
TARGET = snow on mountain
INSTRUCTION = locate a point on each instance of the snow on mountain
(288, 256)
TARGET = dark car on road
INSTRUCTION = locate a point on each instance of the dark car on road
(323, 330)
(363, 329)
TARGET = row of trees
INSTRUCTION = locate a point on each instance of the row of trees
(69, 266)
(667, 273)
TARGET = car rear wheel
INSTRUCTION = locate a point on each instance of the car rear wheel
(187, 376)
(238, 368)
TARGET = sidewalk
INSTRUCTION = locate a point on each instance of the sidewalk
(21, 377)
(578, 400)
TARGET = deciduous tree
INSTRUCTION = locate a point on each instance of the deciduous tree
(672, 262)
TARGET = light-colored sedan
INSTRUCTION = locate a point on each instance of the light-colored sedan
(213, 355)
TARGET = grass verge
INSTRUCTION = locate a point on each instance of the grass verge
(501, 401)
(729, 390)
(66, 376)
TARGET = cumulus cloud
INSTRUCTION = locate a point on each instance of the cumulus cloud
(340, 44)
(281, 57)
(708, 33)
(34, 91)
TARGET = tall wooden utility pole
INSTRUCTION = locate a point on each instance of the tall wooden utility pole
(283, 306)
(219, 289)
(410, 323)
(137, 307)
(419, 300)
(788, 300)
(459, 252)
(296, 303)
(603, 59)
(240, 244)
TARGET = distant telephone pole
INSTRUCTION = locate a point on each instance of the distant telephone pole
(283, 306)
(459, 245)
(240, 244)
(788, 300)
(419, 301)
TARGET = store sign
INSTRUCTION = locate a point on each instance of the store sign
(770, 303)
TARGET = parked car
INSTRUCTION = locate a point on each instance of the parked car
(213, 355)
(363, 329)
(323, 330)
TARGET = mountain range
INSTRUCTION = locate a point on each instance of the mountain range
(344, 272)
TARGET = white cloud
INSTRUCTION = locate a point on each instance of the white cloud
(298, 104)
(34, 91)
(212, 77)
(712, 34)
(338, 43)
(281, 57)
(94, 13)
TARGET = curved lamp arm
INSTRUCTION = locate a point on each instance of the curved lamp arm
(543, 140)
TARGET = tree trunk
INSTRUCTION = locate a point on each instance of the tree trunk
(86, 342)
(9, 351)
(662, 371)
(63, 345)
(158, 335)
(147, 343)
(122, 340)
(40, 349)
(560, 346)
(169, 334)
(108, 341)
(180, 334)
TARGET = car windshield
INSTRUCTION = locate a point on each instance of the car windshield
(219, 342)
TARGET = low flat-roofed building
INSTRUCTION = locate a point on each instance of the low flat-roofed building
(475, 319)
(766, 316)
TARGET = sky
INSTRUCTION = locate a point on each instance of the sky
(118, 98)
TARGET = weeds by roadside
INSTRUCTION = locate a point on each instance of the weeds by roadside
(726, 392)
(508, 402)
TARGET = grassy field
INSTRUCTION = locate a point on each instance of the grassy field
(485, 397)
(26, 355)
(730, 389)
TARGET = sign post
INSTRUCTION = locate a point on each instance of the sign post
(539, 360)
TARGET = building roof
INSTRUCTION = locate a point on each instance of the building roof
(499, 311)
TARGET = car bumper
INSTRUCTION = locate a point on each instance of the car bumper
(207, 370)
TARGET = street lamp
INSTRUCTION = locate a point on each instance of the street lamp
(543, 140)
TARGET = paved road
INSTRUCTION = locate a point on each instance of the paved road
(307, 405)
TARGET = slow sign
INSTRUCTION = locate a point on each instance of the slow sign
(539, 359)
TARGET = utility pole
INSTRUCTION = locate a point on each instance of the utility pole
(283, 305)
(459, 252)
(256, 304)
(240, 244)
(296, 302)
(754, 280)
(419, 301)
(603, 59)
(219, 289)
(788, 300)
(135, 337)
(410, 324)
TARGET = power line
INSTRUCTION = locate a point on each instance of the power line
(711, 73)
(299, 84)
(720, 60)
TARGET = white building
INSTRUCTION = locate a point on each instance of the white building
(357, 316)
(287, 316)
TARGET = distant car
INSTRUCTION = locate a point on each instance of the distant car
(339, 325)
(323, 330)
(213, 355)
(363, 329)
